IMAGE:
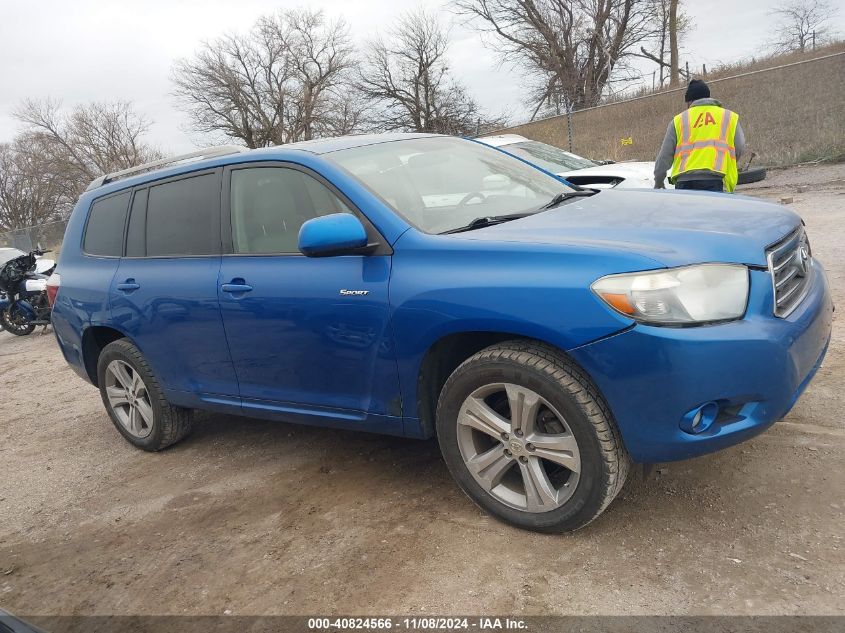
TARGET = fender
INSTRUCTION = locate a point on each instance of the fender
(535, 291)
(87, 331)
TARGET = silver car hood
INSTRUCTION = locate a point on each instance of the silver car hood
(636, 174)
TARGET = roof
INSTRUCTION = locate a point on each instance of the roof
(327, 145)
(215, 157)
(499, 140)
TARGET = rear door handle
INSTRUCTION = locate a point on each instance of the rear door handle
(128, 286)
(236, 286)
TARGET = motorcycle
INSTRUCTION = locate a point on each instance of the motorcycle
(23, 293)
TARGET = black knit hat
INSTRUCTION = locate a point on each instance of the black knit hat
(697, 89)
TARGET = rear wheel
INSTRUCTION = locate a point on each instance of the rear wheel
(15, 321)
(528, 438)
(135, 401)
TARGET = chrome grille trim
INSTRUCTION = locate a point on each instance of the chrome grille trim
(789, 265)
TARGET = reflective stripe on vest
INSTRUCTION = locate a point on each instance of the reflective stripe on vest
(723, 136)
(705, 140)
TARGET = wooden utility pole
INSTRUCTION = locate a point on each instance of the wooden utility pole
(674, 74)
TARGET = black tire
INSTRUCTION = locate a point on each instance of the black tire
(170, 423)
(755, 174)
(604, 462)
(15, 326)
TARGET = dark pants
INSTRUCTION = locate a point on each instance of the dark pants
(710, 184)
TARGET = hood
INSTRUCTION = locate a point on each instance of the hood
(634, 175)
(633, 169)
(673, 228)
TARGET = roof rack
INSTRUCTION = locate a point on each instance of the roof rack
(208, 152)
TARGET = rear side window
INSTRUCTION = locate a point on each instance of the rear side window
(136, 238)
(183, 217)
(104, 232)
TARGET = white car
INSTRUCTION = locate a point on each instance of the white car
(576, 169)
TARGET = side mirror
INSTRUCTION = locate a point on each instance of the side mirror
(335, 234)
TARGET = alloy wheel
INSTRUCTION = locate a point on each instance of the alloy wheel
(129, 399)
(518, 447)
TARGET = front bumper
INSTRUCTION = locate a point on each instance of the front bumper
(755, 370)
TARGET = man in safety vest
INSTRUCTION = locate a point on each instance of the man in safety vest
(702, 144)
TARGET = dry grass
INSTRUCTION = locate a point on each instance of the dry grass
(789, 115)
(762, 63)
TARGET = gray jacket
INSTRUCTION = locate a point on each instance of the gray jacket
(666, 155)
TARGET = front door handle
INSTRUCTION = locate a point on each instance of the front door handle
(236, 286)
(128, 286)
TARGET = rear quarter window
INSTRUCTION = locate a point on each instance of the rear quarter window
(104, 231)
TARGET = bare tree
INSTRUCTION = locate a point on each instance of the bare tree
(670, 25)
(30, 194)
(570, 49)
(76, 147)
(801, 24)
(285, 80)
(677, 25)
(406, 76)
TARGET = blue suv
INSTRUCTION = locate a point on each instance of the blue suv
(422, 285)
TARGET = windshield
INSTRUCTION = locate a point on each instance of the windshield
(548, 157)
(441, 183)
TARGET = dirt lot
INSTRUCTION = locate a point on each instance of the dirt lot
(254, 517)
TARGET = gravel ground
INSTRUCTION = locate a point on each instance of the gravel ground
(254, 517)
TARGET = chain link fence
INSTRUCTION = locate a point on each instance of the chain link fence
(790, 114)
(46, 236)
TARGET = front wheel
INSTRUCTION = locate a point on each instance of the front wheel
(527, 437)
(15, 321)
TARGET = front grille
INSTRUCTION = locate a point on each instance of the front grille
(789, 263)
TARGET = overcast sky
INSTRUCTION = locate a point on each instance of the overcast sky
(84, 50)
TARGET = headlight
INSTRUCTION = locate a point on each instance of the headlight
(693, 294)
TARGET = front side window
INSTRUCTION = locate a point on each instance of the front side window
(442, 183)
(104, 233)
(182, 217)
(270, 204)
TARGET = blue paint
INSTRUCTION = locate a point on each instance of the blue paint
(275, 336)
(332, 234)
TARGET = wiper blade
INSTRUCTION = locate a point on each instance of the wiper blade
(563, 197)
(490, 220)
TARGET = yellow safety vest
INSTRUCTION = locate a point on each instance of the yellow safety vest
(705, 136)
